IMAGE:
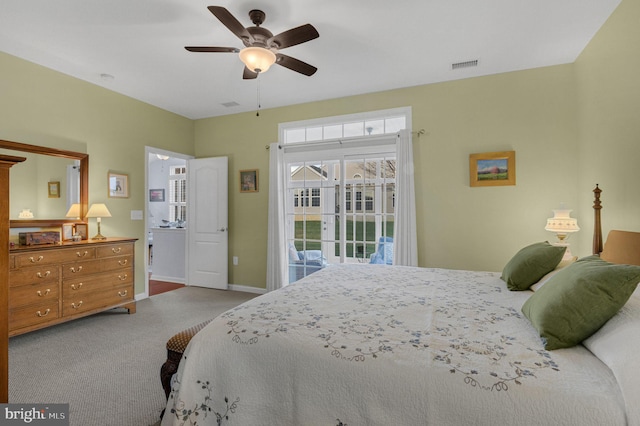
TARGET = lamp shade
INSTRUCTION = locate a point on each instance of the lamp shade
(562, 222)
(98, 210)
(74, 211)
(257, 59)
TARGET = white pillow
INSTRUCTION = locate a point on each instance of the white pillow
(617, 344)
(543, 280)
(293, 253)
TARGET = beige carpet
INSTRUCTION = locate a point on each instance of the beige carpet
(107, 366)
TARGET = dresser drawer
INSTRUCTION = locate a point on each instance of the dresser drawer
(79, 287)
(33, 314)
(34, 274)
(80, 269)
(115, 250)
(46, 257)
(33, 294)
(73, 305)
(118, 262)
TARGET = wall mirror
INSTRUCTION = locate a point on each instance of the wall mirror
(46, 184)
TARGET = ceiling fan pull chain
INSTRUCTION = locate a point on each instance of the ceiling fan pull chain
(259, 106)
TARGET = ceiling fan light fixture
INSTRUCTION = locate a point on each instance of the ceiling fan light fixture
(257, 59)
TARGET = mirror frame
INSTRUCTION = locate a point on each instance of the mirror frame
(84, 181)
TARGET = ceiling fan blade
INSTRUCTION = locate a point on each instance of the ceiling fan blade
(295, 64)
(229, 21)
(211, 49)
(294, 36)
(248, 74)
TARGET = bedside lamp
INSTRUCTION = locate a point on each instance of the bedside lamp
(98, 211)
(74, 211)
(562, 224)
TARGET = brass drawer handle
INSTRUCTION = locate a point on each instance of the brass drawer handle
(123, 294)
(46, 292)
(74, 306)
(74, 270)
(45, 275)
(122, 277)
(74, 287)
(116, 250)
(123, 262)
(40, 314)
(82, 254)
(33, 260)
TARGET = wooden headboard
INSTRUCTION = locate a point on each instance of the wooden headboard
(621, 247)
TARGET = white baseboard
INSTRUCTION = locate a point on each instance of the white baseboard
(232, 287)
(176, 280)
(247, 289)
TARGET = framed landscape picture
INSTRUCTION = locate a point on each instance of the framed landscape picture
(492, 168)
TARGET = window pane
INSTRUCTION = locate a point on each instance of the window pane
(294, 135)
(333, 131)
(314, 133)
(395, 124)
(374, 127)
(353, 129)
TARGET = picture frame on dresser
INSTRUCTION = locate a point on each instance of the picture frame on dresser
(67, 231)
(82, 229)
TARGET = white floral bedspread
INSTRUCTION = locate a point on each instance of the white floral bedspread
(378, 345)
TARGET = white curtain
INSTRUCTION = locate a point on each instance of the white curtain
(405, 250)
(277, 272)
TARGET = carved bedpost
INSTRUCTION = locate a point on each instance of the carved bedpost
(597, 230)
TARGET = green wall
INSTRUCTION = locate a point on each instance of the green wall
(43, 107)
(532, 112)
(571, 126)
(609, 120)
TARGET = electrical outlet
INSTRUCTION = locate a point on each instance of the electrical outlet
(235, 260)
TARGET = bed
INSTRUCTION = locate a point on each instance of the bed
(378, 345)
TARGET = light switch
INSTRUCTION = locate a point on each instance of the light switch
(136, 214)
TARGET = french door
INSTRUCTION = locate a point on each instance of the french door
(340, 203)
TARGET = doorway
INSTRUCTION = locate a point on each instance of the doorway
(166, 209)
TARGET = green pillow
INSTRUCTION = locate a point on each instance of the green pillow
(530, 264)
(580, 299)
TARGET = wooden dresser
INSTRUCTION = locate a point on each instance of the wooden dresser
(53, 284)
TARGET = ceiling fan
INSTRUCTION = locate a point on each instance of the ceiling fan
(262, 48)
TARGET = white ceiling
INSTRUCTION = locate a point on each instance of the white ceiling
(364, 45)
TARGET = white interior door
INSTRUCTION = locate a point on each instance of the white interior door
(207, 225)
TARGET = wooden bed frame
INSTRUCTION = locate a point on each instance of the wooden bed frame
(622, 247)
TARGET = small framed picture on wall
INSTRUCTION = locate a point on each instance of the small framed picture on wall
(118, 185)
(249, 180)
(492, 169)
(54, 190)
(156, 195)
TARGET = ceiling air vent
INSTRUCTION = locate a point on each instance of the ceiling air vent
(230, 104)
(465, 64)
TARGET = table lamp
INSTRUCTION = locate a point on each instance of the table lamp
(74, 211)
(562, 224)
(98, 211)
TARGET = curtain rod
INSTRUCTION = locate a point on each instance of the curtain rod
(340, 141)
